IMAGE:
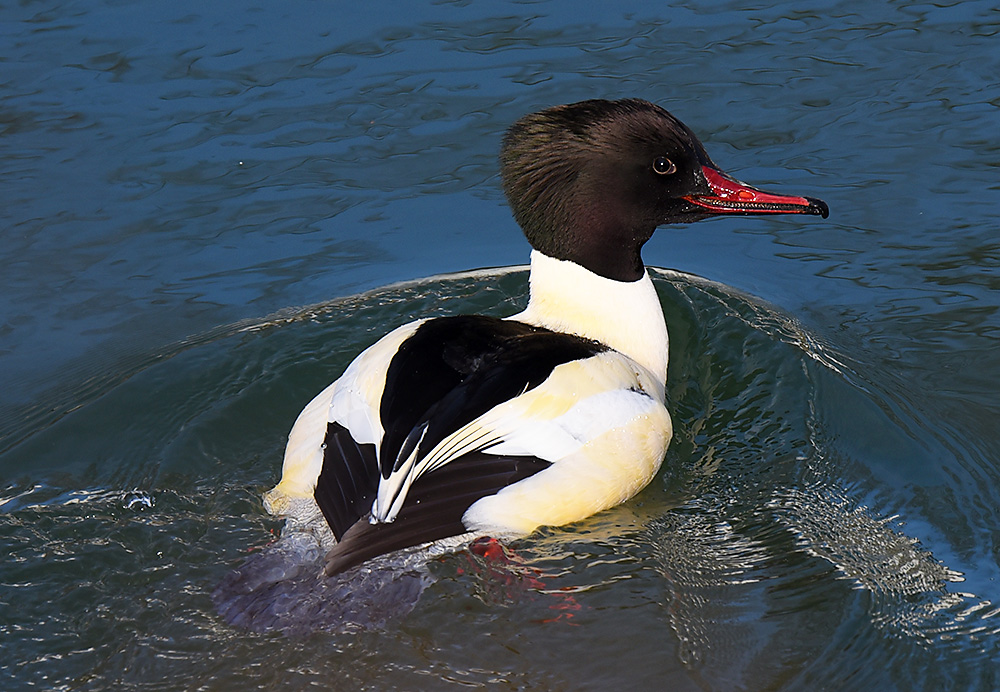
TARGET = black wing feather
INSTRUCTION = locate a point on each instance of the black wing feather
(346, 487)
(434, 507)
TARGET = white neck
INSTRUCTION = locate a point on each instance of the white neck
(626, 316)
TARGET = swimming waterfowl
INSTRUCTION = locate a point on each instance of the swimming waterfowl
(480, 425)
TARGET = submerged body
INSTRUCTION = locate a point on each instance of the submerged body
(474, 424)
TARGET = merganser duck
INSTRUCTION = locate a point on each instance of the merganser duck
(480, 425)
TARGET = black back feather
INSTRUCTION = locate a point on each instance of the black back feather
(454, 369)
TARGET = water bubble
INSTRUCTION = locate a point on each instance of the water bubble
(138, 500)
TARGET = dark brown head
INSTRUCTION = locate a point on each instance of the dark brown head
(591, 181)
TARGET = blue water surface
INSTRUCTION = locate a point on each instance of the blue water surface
(187, 186)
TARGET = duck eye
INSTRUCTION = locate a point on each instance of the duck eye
(663, 166)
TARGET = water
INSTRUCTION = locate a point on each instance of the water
(178, 181)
